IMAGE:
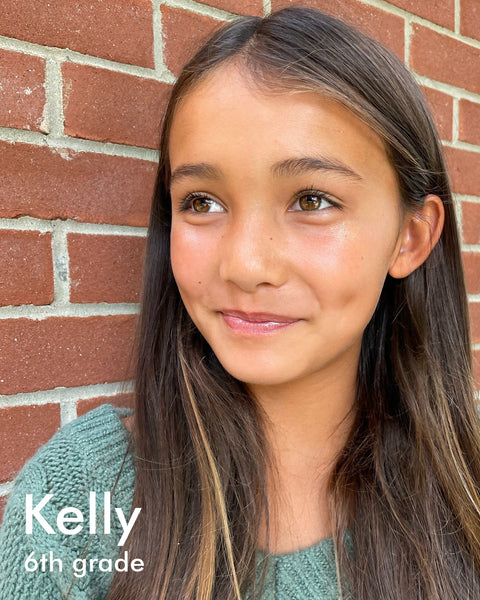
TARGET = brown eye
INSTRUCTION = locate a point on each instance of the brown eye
(309, 202)
(200, 205)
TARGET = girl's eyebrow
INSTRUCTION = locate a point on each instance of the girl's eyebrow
(296, 166)
(283, 168)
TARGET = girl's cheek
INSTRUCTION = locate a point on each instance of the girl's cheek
(192, 257)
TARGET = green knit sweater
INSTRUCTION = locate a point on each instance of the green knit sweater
(85, 456)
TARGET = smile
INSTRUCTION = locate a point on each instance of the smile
(256, 323)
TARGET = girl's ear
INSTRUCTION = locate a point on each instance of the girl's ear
(420, 232)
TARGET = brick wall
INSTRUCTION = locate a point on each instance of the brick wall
(82, 89)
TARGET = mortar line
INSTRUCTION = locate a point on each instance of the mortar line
(108, 148)
(53, 111)
(61, 266)
(447, 88)
(458, 215)
(8, 134)
(457, 16)
(467, 198)
(71, 226)
(67, 395)
(455, 121)
(39, 313)
(68, 411)
(6, 488)
(161, 68)
(462, 146)
(407, 37)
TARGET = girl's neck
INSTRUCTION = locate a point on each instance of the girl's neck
(307, 421)
(307, 424)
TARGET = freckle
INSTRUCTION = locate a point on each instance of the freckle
(199, 282)
(271, 239)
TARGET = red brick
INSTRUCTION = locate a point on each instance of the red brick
(445, 59)
(441, 106)
(379, 24)
(238, 7)
(474, 308)
(64, 351)
(112, 107)
(125, 400)
(470, 18)
(183, 34)
(120, 31)
(22, 90)
(469, 121)
(471, 261)
(26, 269)
(23, 429)
(441, 12)
(471, 222)
(464, 169)
(85, 186)
(105, 268)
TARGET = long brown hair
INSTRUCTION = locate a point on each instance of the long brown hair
(405, 489)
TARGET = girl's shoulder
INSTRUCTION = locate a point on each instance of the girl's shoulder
(89, 449)
(57, 506)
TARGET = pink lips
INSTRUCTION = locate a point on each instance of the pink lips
(255, 323)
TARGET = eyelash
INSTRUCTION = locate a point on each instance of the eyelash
(185, 204)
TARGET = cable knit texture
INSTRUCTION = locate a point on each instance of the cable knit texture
(86, 455)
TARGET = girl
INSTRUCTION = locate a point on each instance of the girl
(305, 426)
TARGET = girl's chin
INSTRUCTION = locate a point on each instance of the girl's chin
(260, 375)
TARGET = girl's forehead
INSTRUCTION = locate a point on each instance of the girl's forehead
(226, 115)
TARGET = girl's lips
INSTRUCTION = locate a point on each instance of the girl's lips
(256, 323)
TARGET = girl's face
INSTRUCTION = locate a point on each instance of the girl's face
(286, 218)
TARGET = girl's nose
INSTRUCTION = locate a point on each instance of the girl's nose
(252, 254)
